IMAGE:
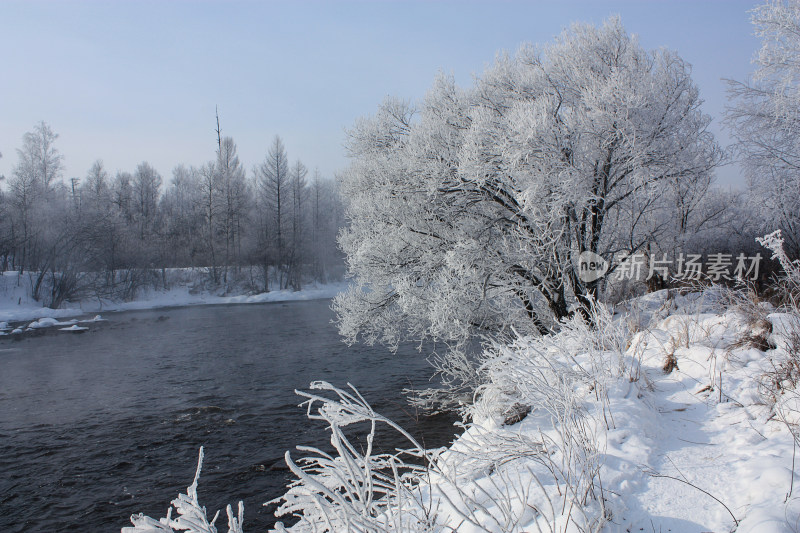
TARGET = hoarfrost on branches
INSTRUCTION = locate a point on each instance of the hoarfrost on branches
(765, 119)
(191, 517)
(489, 480)
(468, 212)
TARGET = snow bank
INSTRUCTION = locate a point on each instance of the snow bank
(75, 328)
(181, 296)
(16, 304)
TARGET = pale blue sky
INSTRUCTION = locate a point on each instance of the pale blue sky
(133, 81)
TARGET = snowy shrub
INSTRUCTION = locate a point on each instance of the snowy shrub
(489, 480)
(458, 375)
(354, 490)
(529, 461)
(791, 278)
(581, 352)
(755, 313)
(191, 516)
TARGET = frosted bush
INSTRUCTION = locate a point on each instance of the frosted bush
(791, 279)
(539, 475)
(354, 490)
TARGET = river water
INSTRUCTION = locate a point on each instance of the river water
(98, 426)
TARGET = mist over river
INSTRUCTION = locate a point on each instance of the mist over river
(97, 426)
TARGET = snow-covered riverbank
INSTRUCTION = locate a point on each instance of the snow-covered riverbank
(660, 419)
(667, 426)
(16, 305)
(674, 414)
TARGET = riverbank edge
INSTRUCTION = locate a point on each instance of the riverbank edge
(16, 306)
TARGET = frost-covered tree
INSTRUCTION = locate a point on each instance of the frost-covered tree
(96, 210)
(183, 218)
(24, 196)
(34, 177)
(324, 222)
(6, 234)
(274, 186)
(211, 210)
(146, 187)
(234, 197)
(298, 187)
(765, 118)
(95, 190)
(39, 157)
(469, 213)
(122, 194)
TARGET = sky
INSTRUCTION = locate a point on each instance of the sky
(127, 81)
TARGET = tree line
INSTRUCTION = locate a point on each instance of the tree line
(271, 228)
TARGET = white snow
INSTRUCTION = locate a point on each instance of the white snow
(74, 327)
(17, 306)
(695, 450)
(719, 440)
(43, 323)
(613, 442)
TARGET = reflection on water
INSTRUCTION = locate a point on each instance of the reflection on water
(98, 426)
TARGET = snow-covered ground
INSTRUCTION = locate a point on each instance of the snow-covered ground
(705, 428)
(697, 449)
(16, 305)
(664, 418)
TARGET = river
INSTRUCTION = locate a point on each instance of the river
(98, 426)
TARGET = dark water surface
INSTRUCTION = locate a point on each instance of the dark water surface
(98, 426)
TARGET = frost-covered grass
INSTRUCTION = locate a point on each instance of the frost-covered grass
(585, 430)
(191, 517)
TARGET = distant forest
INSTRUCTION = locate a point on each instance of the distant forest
(107, 236)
